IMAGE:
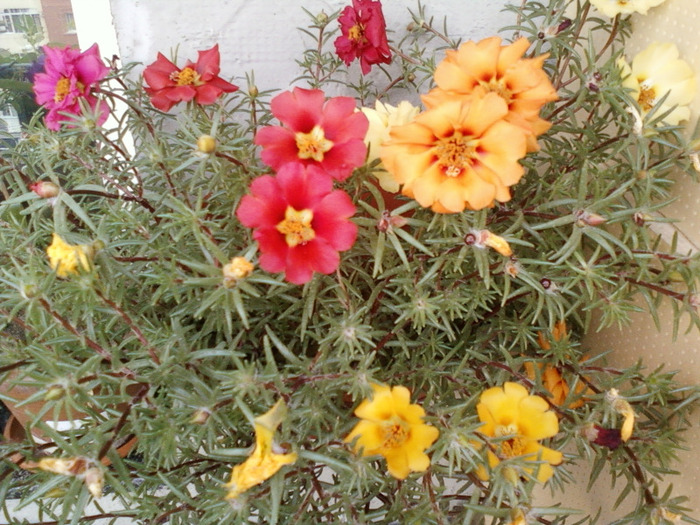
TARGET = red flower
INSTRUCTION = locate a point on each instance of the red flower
(69, 77)
(329, 134)
(363, 35)
(300, 222)
(168, 84)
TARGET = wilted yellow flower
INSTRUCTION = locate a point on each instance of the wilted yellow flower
(615, 7)
(79, 467)
(485, 238)
(510, 412)
(393, 427)
(237, 269)
(622, 407)
(381, 119)
(656, 71)
(266, 458)
(66, 258)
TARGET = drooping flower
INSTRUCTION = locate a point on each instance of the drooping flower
(485, 238)
(519, 421)
(168, 84)
(238, 268)
(393, 427)
(70, 76)
(458, 155)
(329, 134)
(656, 71)
(478, 68)
(267, 457)
(68, 259)
(613, 8)
(80, 467)
(300, 222)
(363, 35)
(381, 120)
(620, 405)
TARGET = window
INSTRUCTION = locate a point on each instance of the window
(69, 22)
(27, 21)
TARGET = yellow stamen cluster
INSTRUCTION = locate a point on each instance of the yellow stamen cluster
(296, 226)
(62, 89)
(455, 153)
(186, 77)
(313, 145)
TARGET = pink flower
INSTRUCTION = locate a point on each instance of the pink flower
(300, 222)
(363, 35)
(168, 84)
(329, 134)
(68, 77)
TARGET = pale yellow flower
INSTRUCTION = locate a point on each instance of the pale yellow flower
(523, 420)
(381, 119)
(613, 8)
(393, 427)
(238, 268)
(66, 258)
(656, 71)
(80, 467)
(266, 458)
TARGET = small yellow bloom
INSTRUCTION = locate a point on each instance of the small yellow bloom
(381, 119)
(510, 412)
(622, 407)
(206, 144)
(238, 268)
(79, 467)
(613, 8)
(264, 462)
(393, 427)
(656, 71)
(66, 258)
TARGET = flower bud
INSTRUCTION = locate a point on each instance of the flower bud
(253, 91)
(237, 269)
(54, 392)
(322, 18)
(200, 416)
(206, 144)
(45, 189)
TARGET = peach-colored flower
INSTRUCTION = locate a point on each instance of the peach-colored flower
(477, 68)
(459, 155)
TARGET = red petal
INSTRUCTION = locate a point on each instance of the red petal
(300, 110)
(303, 187)
(208, 63)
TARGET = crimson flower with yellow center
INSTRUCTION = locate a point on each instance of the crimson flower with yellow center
(168, 84)
(393, 427)
(519, 421)
(363, 35)
(300, 222)
(658, 71)
(459, 155)
(325, 133)
(477, 68)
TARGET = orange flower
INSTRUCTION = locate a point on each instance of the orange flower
(458, 155)
(477, 68)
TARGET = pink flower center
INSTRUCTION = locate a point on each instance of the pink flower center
(312, 145)
(62, 89)
(186, 77)
(455, 153)
(394, 434)
(357, 34)
(296, 226)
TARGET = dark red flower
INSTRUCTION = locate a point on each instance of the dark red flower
(300, 222)
(168, 84)
(329, 134)
(363, 35)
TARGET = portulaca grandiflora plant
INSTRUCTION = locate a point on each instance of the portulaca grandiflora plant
(359, 299)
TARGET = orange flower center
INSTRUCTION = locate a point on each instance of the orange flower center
(357, 33)
(62, 89)
(395, 434)
(499, 87)
(186, 77)
(512, 447)
(312, 145)
(647, 96)
(296, 226)
(455, 153)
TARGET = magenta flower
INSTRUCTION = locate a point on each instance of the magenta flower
(300, 222)
(168, 84)
(329, 134)
(68, 77)
(363, 35)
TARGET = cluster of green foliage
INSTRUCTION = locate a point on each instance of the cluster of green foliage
(152, 338)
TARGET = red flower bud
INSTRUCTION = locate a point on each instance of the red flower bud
(45, 189)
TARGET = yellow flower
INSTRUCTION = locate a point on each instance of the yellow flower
(459, 155)
(615, 7)
(622, 407)
(519, 420)
(237, 269)
(381, 119)
(393, 427)
(656, 71)
(66, 258)
(478, 68)
(265, 461)
(79, 467)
